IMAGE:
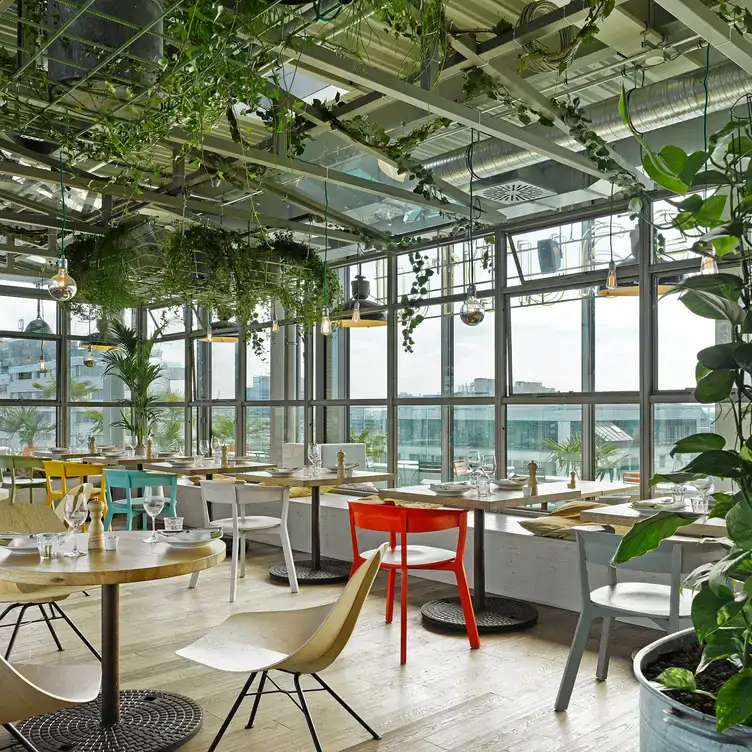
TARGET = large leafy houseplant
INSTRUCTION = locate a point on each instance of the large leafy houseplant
(717, 220)
(132, 363)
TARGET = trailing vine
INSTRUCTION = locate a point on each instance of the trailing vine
(410, 316)
(366, 131)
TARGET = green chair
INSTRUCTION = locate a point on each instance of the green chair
(133, 506)
(18, 472)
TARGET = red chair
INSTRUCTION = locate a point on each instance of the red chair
(391, 519)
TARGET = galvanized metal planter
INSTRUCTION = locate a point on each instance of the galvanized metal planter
(668, 726)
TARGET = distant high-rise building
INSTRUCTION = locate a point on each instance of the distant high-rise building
(261, 388)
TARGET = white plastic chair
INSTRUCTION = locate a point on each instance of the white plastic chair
(239, 496)
(664, 605)
(28, 690)
(303, 641)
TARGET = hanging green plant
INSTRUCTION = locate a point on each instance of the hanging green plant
(412, 303)
(134, 265)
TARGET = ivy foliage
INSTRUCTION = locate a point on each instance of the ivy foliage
(233, 276)
(410, 315)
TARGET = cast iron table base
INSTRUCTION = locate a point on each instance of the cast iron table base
(150, 721)
(316, 571)
(493, 613)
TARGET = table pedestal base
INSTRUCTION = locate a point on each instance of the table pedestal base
(329, 572)
(498, 614)
(150, 721)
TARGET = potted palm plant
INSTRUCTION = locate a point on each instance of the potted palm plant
(696, 686)
(132, 363)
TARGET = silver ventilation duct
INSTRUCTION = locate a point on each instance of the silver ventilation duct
(654, 106)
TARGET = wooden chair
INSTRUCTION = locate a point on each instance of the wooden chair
(240, 496)
(60, 473)
(664, 605)
(18, 472)
(631, 476)
(28, 690)
(395, 520)
(133, 506)
(460, 469)
(298, 642)
(34, 518)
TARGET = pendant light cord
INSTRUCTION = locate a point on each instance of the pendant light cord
(471, 275)
(62, 200)
(326, 234)
(611, 224)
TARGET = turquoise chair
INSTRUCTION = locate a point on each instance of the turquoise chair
(133, 506)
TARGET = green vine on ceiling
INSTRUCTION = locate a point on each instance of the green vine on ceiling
(233, 276)
(366, 131)
(411, 304)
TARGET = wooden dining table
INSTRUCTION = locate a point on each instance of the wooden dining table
(317, 571)
(132, 720)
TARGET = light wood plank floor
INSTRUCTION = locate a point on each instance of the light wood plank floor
(496, 699)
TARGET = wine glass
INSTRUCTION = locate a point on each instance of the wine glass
(203, 451)
(488, 465)
(153, 505)
(75, 514)
(473, 463)
(314, 455)
(704, 486)
(678, 490)
(216, 447)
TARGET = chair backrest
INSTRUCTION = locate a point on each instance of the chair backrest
(142, 479)
(29, 518)
(673, 557)
(353, 453)
(460, 469)
(20, 699)
(630, 476)
(331, 637)
(117, 478)
(28, 463)
(6, 462)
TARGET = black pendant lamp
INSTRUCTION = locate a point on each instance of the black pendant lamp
(359, 309)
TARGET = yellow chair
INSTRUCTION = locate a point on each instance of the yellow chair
(55, 470)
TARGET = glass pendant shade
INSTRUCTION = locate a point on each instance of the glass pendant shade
(359, 309)
(275, 325)
(99, 342)
(472, 311)
(216, 333)
(708, 265)
(89, 359)
(38, 326)
(62, 286)
(42, 363)
(611, 276)
(326, 323)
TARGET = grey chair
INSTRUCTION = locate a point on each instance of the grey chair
(664, 605)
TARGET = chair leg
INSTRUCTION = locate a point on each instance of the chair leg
(108, 520)
(234, 567)
(390, 586)
(79, 633)
(307, 713)
(579, 643)
(256, 700)
(403, 617)
(50, 627)
(467, 607)
(194, 580)
(292, 575)
(601, 672)
(13, 636)
(242, 555)
(346, 706)
(20, 738)
(243, 694)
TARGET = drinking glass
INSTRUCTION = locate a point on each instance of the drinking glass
(216, 447)
(153, 505)
(75, 514)
(489, 465)
(314, 456)
(704, 486)
(203, 451)
(484, 485)
(473, 463)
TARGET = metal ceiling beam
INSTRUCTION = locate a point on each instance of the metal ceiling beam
(157, 199)
(521, 89)
(40, 220)
(431, 101)
(709, 26)
(316, 172)
(27, 203)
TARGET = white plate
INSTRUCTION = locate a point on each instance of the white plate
(509, 485)
(20, 543)
(654, 509)
(284, 471)
(457, 491)
(348, 466)
(187, 544)
(181, 463)
(199, 535)
(59, 450)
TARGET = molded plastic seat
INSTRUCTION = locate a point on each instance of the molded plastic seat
(18, 472)
(133, 506)
(239, 497)
(60, 473)
(387, 518)
(662, 604)
(303, 641)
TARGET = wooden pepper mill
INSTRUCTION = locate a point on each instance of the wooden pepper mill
(572, 480)
(225, 456)
(92, 444)
(149, 448)
(340, 464)
(96, 526)
(532, 480)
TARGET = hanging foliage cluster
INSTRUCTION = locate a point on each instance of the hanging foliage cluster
(133, 265)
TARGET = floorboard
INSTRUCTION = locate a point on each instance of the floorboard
(446, 699)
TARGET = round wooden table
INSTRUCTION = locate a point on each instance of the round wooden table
(133, 720)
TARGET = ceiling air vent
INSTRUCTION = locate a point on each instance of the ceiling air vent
(514, 192)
